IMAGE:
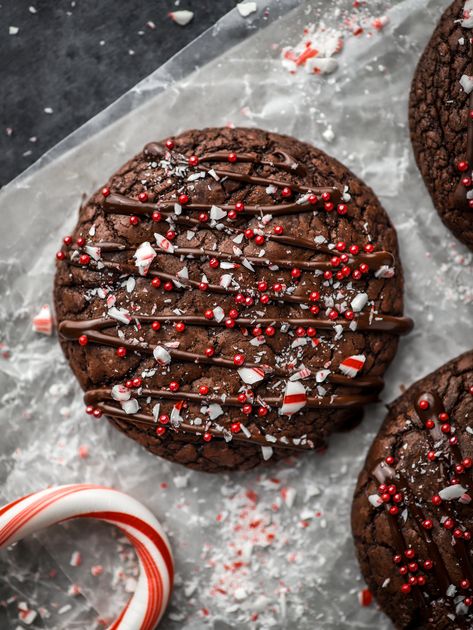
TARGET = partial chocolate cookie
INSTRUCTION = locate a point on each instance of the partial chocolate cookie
(412, 514)
(231, 296)
(441, 118)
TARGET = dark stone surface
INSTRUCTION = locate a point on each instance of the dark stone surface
(57, 61)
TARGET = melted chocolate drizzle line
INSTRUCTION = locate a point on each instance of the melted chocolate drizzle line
(374, 260)
(74, 329)
(378, 323)
(148, 421)
(288, 163)
(316, 402)
(118, 204)
(92, 328)
(126, 205)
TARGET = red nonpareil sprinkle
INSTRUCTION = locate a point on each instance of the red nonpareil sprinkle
(60, 255)
(239, 206)
(365, 597)
(278, 230)
(134, 220)
(83, 340)
(203, 390)
(174, 386)
(183, 199)
(193, 160)
(207, 437)
(232, 157)
(156, 283)
(169, 144)
(121, 352)
(156, 216)
(105, 191)
(143, 197)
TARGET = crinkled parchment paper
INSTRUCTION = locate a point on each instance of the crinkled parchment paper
(270, 548)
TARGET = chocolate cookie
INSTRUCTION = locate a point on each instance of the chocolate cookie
(412, 513)
(231, 296)
(441, 119)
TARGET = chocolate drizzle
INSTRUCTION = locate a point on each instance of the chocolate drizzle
(116, 259)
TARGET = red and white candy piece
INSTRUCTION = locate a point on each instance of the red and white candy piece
(295, 397)
(39, 510)
(43, 321)
(352, 365)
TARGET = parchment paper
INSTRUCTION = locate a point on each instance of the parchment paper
(271, 548)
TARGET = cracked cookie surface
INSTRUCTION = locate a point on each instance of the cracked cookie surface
(230, 297)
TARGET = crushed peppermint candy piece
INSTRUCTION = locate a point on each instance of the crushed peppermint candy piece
(130, 406)
(295, 398)
(359, 302)
(121, 393)
(161, 355)
(267, 452)
(375, 500)
(456, 491)
(466, 81)
(352, 365)
(321, 375)
(144, 256)
(120, 314)
(251, 375)
(181, 17)
(246, 8)
(219, 313)
(43, 321)
(163, 243)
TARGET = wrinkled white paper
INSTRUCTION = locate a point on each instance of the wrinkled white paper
(270, 548)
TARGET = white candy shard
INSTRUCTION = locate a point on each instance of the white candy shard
(219, 313)
(251, 375)
(321, 66)
(217, 213)
(144, 256)
(267, 452)
(181, 17)
(130, 406)
(321, 375)
(359, 302)
(466, 82)
(120, 314)
(161, 355)
(452, 492)
(246, 8)
(375, 500)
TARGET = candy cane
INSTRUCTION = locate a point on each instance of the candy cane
(42, 509)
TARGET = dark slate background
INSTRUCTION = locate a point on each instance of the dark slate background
(57, 61)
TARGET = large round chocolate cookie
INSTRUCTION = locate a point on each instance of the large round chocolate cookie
(441, 118)
(412, 513)
(231, 296)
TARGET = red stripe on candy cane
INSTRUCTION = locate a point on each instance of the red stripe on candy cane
(137, 523)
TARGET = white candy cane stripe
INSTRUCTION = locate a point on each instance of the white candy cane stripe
(42, 509)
